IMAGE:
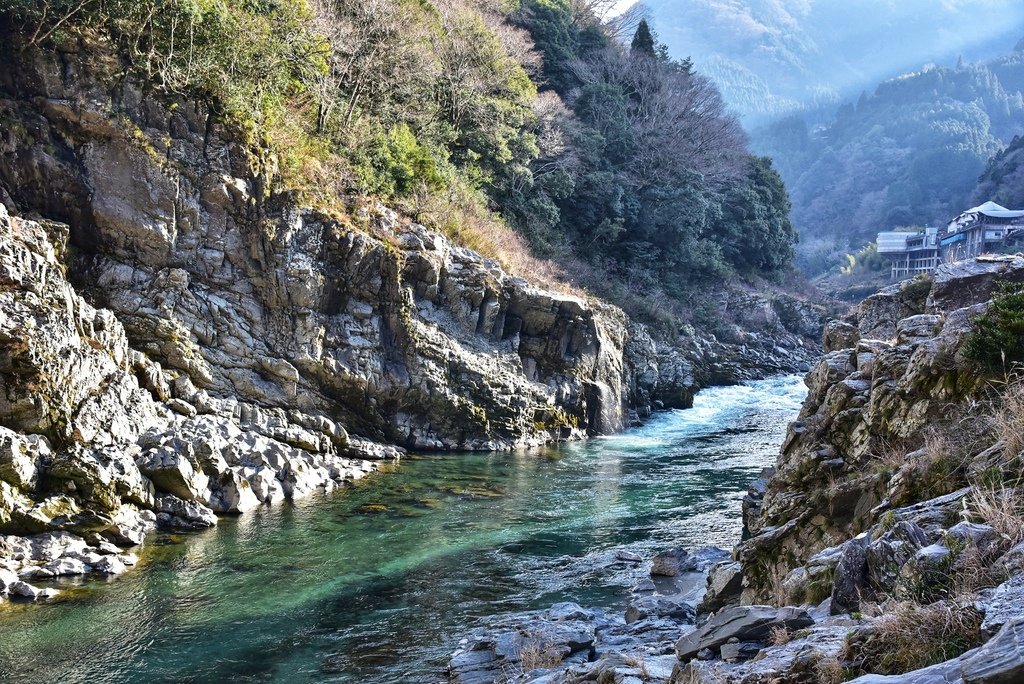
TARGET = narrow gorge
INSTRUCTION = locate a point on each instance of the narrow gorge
(401, 341)
(190, 343)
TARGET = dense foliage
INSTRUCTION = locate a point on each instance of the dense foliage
(596, 148)
(908, 154)
(1003, 179)
(654, 176)
(997, 339)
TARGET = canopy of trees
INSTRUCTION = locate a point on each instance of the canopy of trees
(581, 133)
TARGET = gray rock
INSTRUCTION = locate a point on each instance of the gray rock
(982, 537)
(745, 623)
(628, 557)
(175, 513)
(740, 650)
(851, 579)
(7, 580)
(645, 585)
(26, 590)
(171, 471)
(657, 606)
(840, 335)
(110, 565)
(234, 494)
(672, 562)
(725, 584)
(1004, 605)
(887, 555)
(1000, 660)
(67, 566)
(19, 455)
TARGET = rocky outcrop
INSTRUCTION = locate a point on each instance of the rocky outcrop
(877, 500)
(99, 444)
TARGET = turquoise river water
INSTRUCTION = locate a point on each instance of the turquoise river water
(376, 583)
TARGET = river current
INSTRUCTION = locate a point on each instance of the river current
(376, 583)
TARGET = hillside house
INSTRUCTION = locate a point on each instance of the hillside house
(986, 228)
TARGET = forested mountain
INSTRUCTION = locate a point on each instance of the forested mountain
(1003, 179)
(617, 162)
(910, 153)
(775, 57)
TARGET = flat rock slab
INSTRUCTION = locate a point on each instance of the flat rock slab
(1006, 604)
(745, 623)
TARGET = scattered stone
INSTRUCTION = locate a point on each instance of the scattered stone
(672, 562)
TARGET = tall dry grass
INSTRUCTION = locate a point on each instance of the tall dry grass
(908, 636)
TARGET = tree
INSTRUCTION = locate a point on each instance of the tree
(643, 41)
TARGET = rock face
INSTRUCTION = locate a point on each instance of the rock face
(94, 446)
(842, 464)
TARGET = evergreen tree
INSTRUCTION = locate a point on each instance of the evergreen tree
(643, 41)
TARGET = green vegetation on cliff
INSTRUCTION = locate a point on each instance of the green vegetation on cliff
(495, 122)
(997, 339)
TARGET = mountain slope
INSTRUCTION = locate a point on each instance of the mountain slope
(908, 154)
(775, 57)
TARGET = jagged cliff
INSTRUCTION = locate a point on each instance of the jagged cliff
(893, 515)
(181, 339)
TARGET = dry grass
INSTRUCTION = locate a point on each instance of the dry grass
(888, 456)
(1008, 418)
(1001, 505)
(640, 664)
(462, 217)
(780, 635)
(829, 671)
(534, 656)
(908, 636)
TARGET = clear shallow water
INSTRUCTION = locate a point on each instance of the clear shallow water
(376, 583)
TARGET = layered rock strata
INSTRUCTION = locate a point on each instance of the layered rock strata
(181, 340)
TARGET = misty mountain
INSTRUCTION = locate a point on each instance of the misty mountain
(776, 57)
(910, 153)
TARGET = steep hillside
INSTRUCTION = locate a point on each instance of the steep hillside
(1003, 178)
(776, 58)
(907, 154)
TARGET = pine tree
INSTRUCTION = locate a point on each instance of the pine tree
(643, 41)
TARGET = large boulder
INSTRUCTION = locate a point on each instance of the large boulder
(744, 623)
(173, 471)
(725, 584)
(19, 457)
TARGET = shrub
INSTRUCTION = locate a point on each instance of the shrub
(997, 339)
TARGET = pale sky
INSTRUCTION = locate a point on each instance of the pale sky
(622, 6)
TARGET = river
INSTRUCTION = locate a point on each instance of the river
(375, 583)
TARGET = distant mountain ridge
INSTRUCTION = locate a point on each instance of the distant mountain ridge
(910, 153)
(778, 57)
